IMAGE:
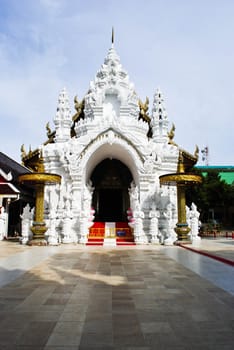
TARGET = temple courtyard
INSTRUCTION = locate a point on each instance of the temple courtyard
(138, 297)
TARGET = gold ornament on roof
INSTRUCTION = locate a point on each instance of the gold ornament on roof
(171, 135)
(78, 105)
(48, 129)
(144, 107)
(50, 134)
(23, 152)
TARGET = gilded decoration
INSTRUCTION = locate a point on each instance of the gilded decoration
(144, 107)
(39, 180)
(171, 135)
(79, 107)
(43, 178)
(179, 178)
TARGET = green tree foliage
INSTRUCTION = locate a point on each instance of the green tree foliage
(213, 193)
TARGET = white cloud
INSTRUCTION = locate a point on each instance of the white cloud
(183, 47)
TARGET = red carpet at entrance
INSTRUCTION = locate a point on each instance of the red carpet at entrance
(122, 234)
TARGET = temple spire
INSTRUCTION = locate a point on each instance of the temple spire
(159, 121)
(112, 37)
(63, 118)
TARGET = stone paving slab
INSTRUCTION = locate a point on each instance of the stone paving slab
(121, 298)
(223, 248)
(15, 259)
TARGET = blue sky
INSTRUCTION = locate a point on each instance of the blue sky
(184, 47)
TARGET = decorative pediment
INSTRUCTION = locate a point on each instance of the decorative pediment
(110, 137)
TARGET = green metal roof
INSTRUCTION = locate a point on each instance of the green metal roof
(226, 172)
(227, 177)
(216, 167)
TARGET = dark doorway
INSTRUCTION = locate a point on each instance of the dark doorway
(111, 180)
(110, 205)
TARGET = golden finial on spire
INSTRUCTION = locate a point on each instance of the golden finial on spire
(23, 152)
(112, 36)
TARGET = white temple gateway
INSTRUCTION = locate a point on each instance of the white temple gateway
(110, 155)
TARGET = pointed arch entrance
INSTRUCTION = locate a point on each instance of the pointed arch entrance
(111, 180)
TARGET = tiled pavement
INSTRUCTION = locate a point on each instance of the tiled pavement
(141, 298)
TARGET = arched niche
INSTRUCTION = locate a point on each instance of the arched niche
(111, 180)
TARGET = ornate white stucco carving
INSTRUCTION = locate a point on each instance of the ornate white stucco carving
(194, 223)
(111, 90)
(154, 215)
(63, 120)
(27, 218)
(110, 127)
(159, 121)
